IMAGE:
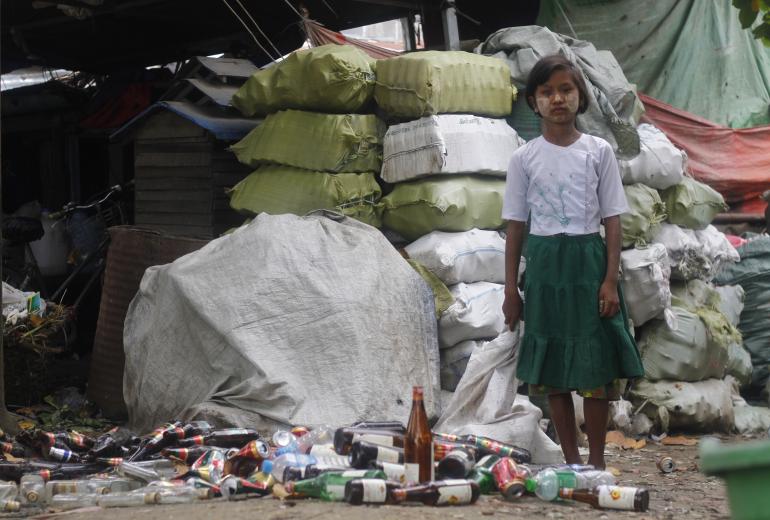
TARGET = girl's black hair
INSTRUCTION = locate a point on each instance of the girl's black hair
(542, 71)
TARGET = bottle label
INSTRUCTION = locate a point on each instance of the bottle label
(455, 492)
(382, 440)
(336, 491)
(388, 455)
(359, 473)
(375, 491)
(233, 431)
(616, 497)
(395, 472)
(412, 472)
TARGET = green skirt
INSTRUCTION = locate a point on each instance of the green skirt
(566, 343)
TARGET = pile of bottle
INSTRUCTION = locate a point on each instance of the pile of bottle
(365, 463)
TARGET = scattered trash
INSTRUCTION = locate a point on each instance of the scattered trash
(617, 438)
(665, 464)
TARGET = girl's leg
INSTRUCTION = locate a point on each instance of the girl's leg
(563, 416)
(596, 412)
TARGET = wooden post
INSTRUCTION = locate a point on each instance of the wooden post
(7, 420)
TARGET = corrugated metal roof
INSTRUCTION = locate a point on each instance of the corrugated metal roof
(219, 92)
(225, 124)
(228, 67)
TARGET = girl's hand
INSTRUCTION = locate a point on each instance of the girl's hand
(609, 302)
(512, 306)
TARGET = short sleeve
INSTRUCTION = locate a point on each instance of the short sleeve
(515, 206)
(612, 198)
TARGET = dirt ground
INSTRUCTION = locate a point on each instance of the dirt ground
(684, 494)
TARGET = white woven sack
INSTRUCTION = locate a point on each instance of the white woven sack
(453, 362)
(645, 275)
(470, 256)
(477, 313)
(659, 164)
(448, 144)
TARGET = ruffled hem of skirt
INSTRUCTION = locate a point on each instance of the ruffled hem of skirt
(585, 362)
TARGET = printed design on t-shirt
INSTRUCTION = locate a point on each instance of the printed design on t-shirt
(549, 207)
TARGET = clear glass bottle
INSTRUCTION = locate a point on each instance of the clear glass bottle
(32, 489)
(72, 501)
(135, 498)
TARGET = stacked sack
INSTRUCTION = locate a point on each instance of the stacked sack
(314, 150)
(448, 165)
(448, 162)
(686, 327)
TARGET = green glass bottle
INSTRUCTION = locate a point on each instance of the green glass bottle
(330, 486)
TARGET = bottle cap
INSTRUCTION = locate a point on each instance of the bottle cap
(267, 466)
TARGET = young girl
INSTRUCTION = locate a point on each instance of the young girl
(575, 334)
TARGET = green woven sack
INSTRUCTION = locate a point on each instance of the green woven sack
(330, 78)
(325, 142)
(434, 82)
(442, 297)
(281, 189)
(456, 203)
(692, 204)
(646, 212)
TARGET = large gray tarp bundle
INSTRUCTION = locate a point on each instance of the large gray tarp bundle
(614, 108)
(289, 320)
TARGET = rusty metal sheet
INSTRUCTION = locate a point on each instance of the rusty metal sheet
(132, 250)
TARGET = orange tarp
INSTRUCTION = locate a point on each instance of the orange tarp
(735, 162)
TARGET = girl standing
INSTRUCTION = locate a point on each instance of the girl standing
(575, 335)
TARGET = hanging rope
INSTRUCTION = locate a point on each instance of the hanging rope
(278, 52)
(245, 26)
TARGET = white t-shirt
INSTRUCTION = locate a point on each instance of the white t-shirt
(567, 189)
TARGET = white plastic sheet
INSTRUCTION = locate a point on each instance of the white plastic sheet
(288, 320)
(485, 402)
(469, 256)
(476, 314)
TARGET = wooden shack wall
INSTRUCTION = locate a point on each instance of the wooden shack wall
(181, 172)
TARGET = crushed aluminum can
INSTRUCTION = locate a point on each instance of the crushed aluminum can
(665, 464)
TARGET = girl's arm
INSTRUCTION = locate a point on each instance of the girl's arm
(512, 304)
(608, 292)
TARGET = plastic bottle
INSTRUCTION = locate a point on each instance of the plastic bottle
(289, 460)
(321, 435)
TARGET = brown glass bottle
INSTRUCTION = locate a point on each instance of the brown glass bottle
(610, 497)
(418, 442)
(227, 438)
(458, 463)
(345, 437)
(439, 493)
(370, 491)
